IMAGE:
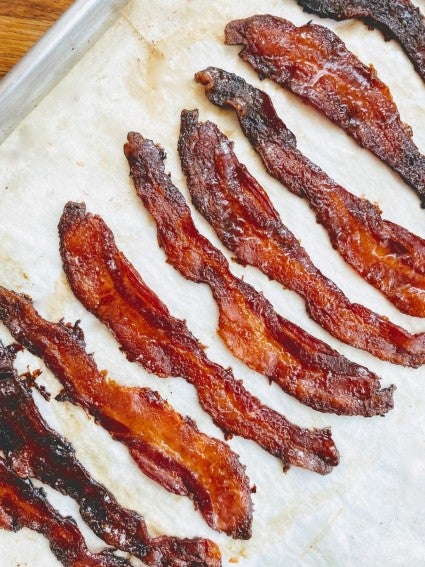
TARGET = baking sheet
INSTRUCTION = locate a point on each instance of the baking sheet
(139, 77)
(51, 58)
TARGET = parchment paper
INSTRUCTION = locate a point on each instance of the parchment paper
(139, 76)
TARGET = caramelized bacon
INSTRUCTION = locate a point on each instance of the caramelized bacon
(22, 505)
(302, 365)
(246, 222)
(34, 450)
(388, 256)
(166, 446)
(314, 63)
(109, 286)
(397, 19)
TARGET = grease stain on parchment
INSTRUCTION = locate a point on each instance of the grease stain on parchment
(313, 546)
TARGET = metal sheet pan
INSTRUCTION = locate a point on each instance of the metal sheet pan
(51, 57)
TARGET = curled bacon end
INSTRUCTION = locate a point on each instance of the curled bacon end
(397, 19)
(167, 446)
(386, 255)
(109, 286)
(34, 450)
(303, 366)
(24, 505)
(314, 63)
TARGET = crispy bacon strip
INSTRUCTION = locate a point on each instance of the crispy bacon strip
(388, 256)
(242, 215)
(109, 286)
(397, 19)
(303, 366)
(166, 446)
(22, 505)
(33, 449)
(314, 63)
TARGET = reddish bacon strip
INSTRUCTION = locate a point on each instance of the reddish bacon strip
(34, 450)
(388, 256)
(246, 222)
(166, 446)
(109, 286)
(303, 366)
(314, 63)
(24, 506)
(398, 19)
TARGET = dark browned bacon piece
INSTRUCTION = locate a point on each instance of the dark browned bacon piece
(109, 286)
(314, 63)
(246, 222)
(34, 450)
(303, 366)
(388, 256)
(22, 505)
(167, 446)
(397, 19)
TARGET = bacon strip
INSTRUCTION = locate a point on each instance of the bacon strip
(302, 365)
(22, 505)
(34, 450)
(386, 255)
(166, 446)
(314, 63)
(109, 286)
(246, 222)
(397, 19)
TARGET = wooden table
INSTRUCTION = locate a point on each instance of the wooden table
(22, 23)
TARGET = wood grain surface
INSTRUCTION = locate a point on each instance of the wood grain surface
(22, 23)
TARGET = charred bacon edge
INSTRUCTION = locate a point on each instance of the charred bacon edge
(34, 450)
(24, 505)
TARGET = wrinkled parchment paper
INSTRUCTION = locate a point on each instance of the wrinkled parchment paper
(139, 76)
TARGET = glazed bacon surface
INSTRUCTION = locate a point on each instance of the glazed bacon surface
(386, 255)
(32, 449)
(22, 505)
(397, 19)
(167, 446)
(109, 286)
(302, 365)
(314, 63)
(246, 222)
